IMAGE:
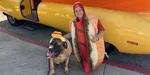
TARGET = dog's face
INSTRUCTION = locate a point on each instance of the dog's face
(56, 46)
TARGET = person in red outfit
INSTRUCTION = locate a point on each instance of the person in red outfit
(85, 32)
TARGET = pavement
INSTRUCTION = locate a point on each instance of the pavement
(18, 57)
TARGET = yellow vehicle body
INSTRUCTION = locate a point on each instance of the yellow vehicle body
(129, 32)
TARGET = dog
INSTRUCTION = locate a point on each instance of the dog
(59, 52)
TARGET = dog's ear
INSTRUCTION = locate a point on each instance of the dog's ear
(65, 45)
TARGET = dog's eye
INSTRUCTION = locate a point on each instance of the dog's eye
(51, 46)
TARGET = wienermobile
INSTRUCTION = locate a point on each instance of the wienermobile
(126, 22)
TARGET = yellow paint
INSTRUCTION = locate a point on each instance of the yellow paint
(120, 26)
(57, 17)
(27, 10)
(32, 4)
(11, 7)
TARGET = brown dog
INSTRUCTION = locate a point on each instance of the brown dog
(59, 52)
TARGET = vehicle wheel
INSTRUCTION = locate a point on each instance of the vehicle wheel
(109, 47)
(13, 21)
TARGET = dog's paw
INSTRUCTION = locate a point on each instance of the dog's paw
(52, 74)
(66, 72)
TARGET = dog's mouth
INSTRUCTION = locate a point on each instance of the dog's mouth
(50, 54)
(54, 50)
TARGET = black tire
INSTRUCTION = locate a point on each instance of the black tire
(13, 21)
(109, 47)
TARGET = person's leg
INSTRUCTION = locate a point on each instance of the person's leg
(85, 59)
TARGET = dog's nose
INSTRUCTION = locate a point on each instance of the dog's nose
(50, 47)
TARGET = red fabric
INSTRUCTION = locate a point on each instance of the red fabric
(76, 5)
(80, 32)
(84, 57)
(100, 26)
(82, 43)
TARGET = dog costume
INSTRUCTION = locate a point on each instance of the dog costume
(64, 55)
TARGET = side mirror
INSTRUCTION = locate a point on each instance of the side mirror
(22, 7)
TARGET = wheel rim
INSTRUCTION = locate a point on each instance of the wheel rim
(11, 19)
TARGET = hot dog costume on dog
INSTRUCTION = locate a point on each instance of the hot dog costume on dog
(67, 52)
(89, 54)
